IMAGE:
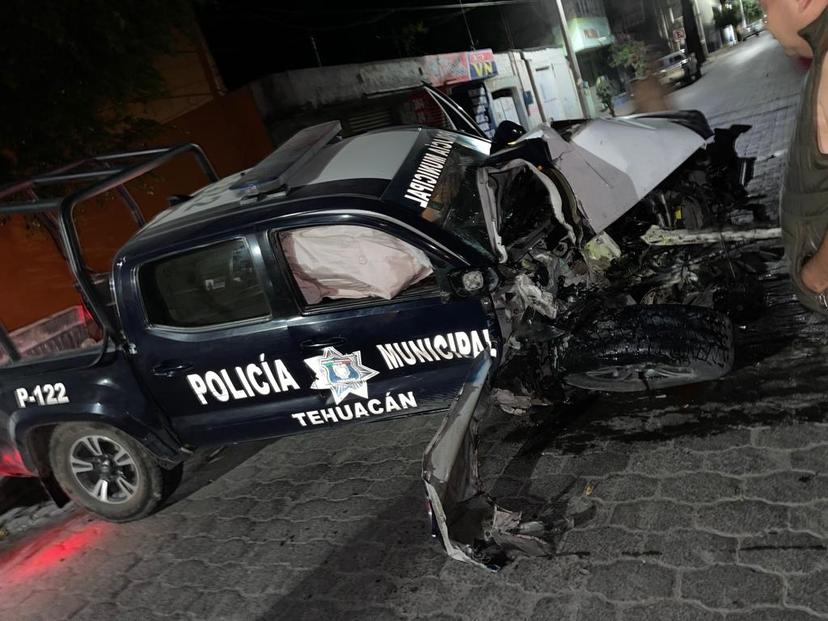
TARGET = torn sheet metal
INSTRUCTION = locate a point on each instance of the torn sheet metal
(511, 403)
(657, 236)
(611, 164)
(647, 150)
(491, 199)
(473, 529)
(529, 295)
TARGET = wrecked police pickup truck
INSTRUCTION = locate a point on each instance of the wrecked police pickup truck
(358, 279)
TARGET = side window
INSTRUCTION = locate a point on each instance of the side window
(205, 287)
(347, 262)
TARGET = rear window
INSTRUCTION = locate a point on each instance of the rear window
(206, 287)
(667, 61)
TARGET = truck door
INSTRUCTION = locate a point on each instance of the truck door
(458, 118)
(214, 347)
(229, 356)
(380, 333)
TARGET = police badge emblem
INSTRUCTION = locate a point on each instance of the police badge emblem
(342, 374)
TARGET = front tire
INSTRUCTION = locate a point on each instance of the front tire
(649, 347)
(106, 471)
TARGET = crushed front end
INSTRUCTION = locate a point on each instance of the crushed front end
(585, 299)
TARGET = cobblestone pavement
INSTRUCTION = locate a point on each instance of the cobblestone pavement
(707, 502)
(756, 84)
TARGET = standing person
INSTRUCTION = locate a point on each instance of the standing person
(801, 27)
(648, 92)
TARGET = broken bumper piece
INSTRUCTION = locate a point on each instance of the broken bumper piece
(656, 236)
(472, 528)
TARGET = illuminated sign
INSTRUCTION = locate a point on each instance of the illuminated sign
(588, 33)
(457, 67)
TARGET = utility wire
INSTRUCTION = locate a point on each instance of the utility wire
(466, 22)
(306, 28)
(403, 9)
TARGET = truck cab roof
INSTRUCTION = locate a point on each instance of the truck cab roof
(362, 165)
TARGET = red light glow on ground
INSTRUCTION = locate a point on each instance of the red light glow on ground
(44, 551)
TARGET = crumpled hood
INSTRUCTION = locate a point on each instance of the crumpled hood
(610, 164)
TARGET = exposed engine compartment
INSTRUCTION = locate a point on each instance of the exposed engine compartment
(602, 309)
(561, 275)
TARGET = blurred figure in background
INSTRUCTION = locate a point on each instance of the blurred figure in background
(649, 93)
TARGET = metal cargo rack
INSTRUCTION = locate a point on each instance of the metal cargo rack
(100, 174)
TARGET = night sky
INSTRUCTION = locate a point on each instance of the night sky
(253, 38)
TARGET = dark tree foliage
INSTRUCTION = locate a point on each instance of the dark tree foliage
(753, 12)
(725, 17)
(68, 71)
(691, 32)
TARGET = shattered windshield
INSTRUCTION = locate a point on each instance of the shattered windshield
(453, 202)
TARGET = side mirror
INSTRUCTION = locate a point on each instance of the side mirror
(506, 132)
(473, 281)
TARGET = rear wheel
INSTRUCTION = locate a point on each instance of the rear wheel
(107, 472)
(649, 347)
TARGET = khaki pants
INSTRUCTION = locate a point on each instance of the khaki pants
(804, 225)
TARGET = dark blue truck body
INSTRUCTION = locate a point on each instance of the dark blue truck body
(174, 389)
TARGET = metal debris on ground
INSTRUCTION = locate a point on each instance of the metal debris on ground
(471, 527)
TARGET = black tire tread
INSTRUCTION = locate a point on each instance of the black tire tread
(660, 334)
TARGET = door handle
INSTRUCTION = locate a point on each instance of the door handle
(171, 368)
(322, 342)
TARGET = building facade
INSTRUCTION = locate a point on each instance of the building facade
(528, 87)
(591, 36)
(660, 23)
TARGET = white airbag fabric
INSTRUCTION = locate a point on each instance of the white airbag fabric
(352, 262)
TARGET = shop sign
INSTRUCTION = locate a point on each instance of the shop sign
(482, 64)
(457, 67)
(590, 33)
(443, 69)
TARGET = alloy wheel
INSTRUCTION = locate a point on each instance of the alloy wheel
(104, 469)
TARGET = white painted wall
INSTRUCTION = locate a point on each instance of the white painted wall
(512, 107)
(554, 84)
(553, 95)
(533, 111)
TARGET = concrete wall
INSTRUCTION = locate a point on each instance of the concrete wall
(317, 87)
(711, 34)
(508, 79)
(293, 99)
(553, 84)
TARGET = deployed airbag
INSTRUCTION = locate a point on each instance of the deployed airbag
(352, 262)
